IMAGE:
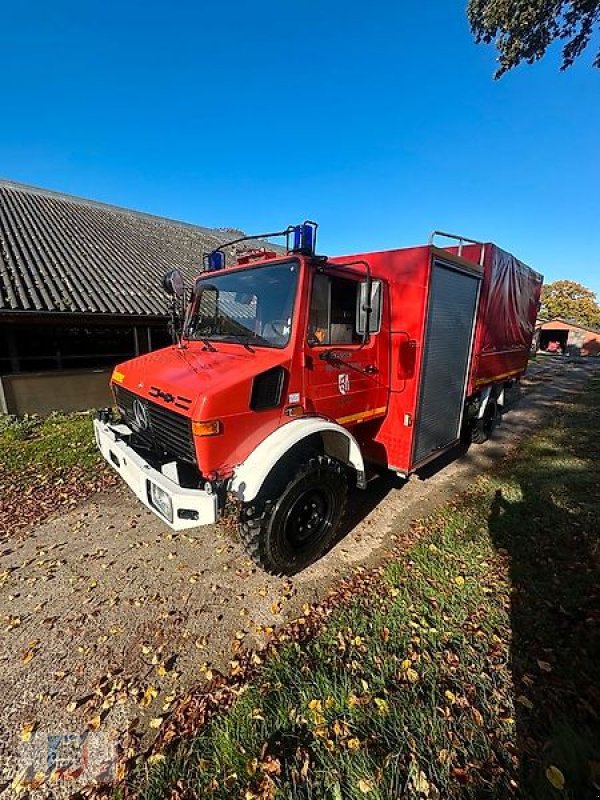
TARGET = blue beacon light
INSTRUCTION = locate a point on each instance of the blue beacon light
(215, 261)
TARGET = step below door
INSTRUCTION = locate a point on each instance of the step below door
(453, 296)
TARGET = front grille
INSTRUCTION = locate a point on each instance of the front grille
(166, 432)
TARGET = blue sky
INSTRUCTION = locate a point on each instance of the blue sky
(380, 120)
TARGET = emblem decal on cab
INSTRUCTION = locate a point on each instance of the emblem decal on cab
(344, 383)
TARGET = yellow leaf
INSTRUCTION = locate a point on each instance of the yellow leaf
(95, 723)
(155, 722)
(156, 758)
(252, 766)
(555, 777)
(353, 744)
(420, 783)
(412, 675)
(329, 702)
(27, 730)
(382, 705)
(365, 786)
(149, 696)
(459, 580)
(315, 705)
(27, 656)
(450, 696)
(71, 707)
(406, 663)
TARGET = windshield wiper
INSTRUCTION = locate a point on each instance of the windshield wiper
(246, 339)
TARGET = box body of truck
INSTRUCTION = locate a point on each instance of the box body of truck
(457, 325)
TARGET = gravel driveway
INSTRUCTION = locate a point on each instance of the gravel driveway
(106, 615)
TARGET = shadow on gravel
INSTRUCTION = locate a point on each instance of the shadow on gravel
(550, 531)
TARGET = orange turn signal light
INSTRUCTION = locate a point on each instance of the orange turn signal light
(210, 428)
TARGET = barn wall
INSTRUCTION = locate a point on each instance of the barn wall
(44, 392)
(580, 340)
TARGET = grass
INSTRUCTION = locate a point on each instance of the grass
(45, 464)
(57, 442)
(467, 667)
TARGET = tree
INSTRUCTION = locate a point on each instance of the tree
(570, 301)
(524, 29)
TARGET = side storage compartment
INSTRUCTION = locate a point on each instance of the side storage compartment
(450, 324)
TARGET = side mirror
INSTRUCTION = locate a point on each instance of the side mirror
(362, 304)
(172, 283)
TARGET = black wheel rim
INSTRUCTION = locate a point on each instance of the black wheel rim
(309, 518)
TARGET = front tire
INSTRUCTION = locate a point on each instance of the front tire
(285, 533)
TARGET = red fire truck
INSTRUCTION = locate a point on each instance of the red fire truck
(292, 374)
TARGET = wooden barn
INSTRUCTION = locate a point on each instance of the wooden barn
(80, 291)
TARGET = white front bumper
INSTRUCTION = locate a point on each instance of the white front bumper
(191, 507)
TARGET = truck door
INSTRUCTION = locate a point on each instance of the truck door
(345, 380)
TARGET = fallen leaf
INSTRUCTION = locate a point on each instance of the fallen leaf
(27, 730)
(524, 701)
(555, 777)
(365, 786)
(149, 695)
(382, 705)
(412, 675)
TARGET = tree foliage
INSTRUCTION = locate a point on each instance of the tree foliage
(570, 301)
(523, 29)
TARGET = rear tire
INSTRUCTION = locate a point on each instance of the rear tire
(285, 533)
(484, 427)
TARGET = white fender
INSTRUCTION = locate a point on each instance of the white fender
(249, 476)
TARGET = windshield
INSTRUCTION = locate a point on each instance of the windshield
(251, 306)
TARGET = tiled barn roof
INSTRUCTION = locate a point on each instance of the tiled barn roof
(60, 253)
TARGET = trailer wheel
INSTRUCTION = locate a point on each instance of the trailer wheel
(484, 427)
(286, 533)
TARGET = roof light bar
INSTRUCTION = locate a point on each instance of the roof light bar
(304, 241)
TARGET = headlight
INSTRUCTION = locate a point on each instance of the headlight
(160, 500)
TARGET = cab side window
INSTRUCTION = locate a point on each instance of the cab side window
(332, 316)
